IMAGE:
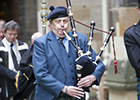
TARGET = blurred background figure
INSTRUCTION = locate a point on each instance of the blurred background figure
(2, 23)
(1, 32)
(26, 89)
(35, 35)
(132, 44)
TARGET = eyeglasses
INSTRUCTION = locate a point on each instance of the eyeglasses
(15, 35)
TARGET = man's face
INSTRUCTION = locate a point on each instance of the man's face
(11, 35)
(1, 34)
(59, 24)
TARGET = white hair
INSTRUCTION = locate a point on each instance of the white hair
(35, 35)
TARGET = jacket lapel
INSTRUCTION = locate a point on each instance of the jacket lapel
(58, 52)
(55, 48)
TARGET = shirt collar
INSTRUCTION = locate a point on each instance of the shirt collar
(65, 38)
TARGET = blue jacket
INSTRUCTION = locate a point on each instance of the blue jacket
(53, 66)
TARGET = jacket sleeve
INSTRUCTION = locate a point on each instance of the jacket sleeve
(99, 70)
(7, 73)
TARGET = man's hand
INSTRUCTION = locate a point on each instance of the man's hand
(86, 81)
(16, 79)
(16, 76)
(73, 91)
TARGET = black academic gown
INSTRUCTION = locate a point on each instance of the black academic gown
(26, 77)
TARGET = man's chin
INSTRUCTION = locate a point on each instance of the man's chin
(61, 35)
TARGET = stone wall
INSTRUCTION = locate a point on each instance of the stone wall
(27, 17)
(122, 11)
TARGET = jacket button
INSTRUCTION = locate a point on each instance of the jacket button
(70, 63)
(64, 75)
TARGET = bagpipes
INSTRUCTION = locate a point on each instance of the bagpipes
(84, 64)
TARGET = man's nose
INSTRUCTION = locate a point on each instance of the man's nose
(62, 23)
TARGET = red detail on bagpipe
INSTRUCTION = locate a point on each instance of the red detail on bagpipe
(115, 66)
(115, 61)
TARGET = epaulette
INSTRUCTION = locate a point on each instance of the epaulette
(135, 24)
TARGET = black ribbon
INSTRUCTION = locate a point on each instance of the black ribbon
(61, 41)
(14, 57)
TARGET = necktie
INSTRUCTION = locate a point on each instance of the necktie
(14, 57)
(61, 41)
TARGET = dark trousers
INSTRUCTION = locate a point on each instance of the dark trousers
(138, 88)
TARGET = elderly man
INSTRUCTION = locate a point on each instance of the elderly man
(54, 63)
(35, 36)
